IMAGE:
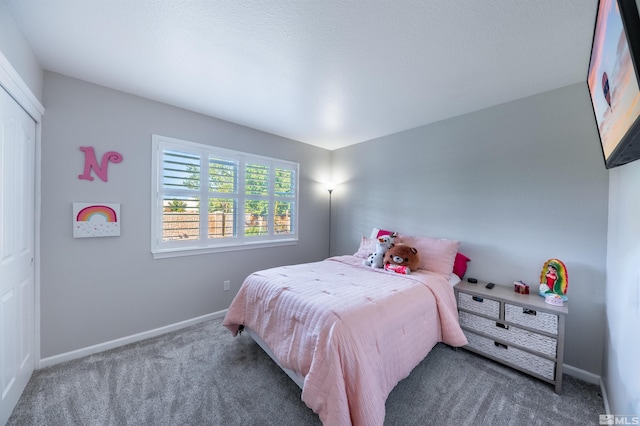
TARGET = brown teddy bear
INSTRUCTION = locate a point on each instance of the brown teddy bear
(401, 258)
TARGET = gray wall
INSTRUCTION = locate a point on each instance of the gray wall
(94, 290)
(621, 372)
(517, 184)
(16, 49)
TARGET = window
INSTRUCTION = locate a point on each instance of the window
(207, 199)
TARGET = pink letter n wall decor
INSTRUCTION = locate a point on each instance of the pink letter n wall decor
(91, 163)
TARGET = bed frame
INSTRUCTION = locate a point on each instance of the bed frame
(296, 377)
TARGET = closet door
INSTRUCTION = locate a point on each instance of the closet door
(17, 269)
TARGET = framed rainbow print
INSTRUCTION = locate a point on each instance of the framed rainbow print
(96, 220)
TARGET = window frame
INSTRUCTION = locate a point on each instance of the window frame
(204, 244)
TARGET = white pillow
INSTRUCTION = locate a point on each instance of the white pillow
(367, 246)
(454, 279)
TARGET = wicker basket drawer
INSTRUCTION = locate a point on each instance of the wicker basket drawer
(531, 318)
(543, 344)
(481, 305)
(516, 357)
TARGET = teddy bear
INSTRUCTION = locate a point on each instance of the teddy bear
(401, 258)
(383, 243)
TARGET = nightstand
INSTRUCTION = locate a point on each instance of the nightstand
(518, 330)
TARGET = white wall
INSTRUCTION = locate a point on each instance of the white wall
(517, 184)
(98, 289)
(622, 347)
(16, 49)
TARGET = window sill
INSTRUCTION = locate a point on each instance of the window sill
(193, 251)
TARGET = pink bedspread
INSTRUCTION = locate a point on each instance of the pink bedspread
(353, 331)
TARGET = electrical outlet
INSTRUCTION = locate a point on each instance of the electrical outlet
(227, 285)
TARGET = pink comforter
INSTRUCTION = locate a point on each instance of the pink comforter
(352, 331)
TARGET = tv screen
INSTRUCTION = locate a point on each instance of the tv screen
(613, 80)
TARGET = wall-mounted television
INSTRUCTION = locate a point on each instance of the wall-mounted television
(613, 80)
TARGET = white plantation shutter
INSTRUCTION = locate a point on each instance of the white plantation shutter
(257, 201)
(208, 199)
(223, 200)
(285, 196)
(180, 195)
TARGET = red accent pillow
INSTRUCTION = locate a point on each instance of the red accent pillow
(460, 264)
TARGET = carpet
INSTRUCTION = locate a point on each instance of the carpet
(201, 375)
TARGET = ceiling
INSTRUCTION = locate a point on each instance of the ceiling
(329, 73)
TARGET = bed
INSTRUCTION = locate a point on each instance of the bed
(344, 332)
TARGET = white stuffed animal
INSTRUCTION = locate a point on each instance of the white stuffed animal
(383, 243)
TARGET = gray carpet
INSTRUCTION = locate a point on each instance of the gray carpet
(201, 375)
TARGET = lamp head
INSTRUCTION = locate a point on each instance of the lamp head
(330, 187)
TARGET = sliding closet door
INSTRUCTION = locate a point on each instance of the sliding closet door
(17, 270)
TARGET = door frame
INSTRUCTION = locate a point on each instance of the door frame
(11, 81)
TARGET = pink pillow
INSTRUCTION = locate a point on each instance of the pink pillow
(367, 246)
(436, 255)
(460, 264)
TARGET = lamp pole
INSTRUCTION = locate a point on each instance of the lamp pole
(330, 191)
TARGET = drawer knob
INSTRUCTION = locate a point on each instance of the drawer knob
(501, 345)
(505, 326)
(478, 299)
(528, 311)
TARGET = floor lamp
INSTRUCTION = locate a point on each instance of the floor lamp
(330, 189)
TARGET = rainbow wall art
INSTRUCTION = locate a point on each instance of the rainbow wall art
(96, 220)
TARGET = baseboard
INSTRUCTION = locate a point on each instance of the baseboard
(605, 398)
(581, 374)
(589, 378)
(101, 347)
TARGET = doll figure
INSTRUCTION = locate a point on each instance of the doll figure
(551, 276)
(554, 279)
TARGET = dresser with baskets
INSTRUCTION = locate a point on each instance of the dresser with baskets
(518, 330)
